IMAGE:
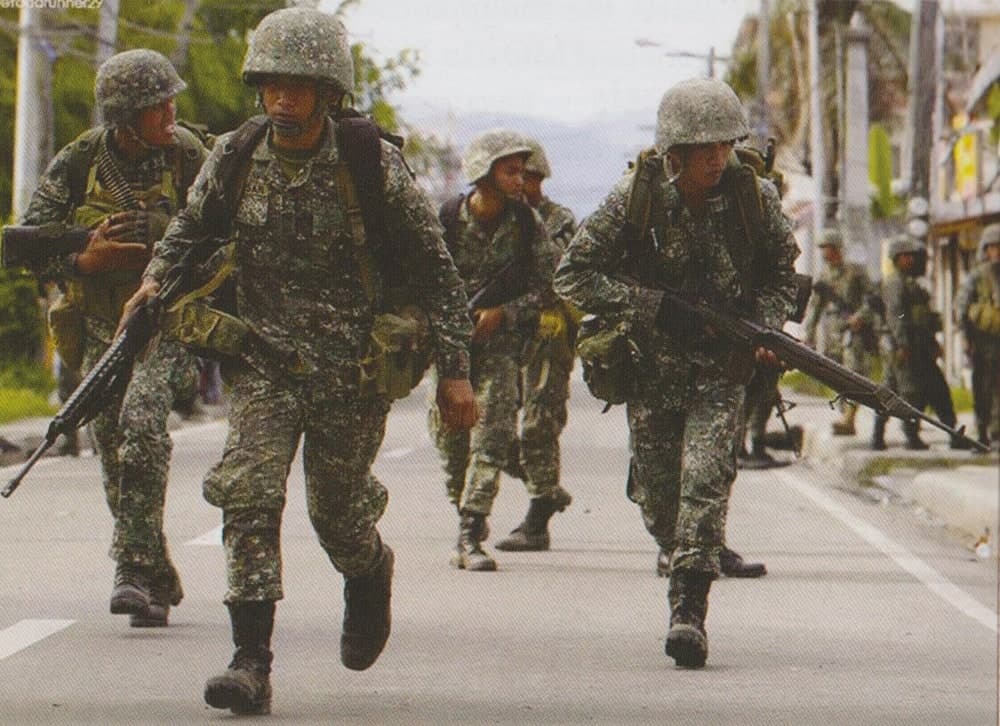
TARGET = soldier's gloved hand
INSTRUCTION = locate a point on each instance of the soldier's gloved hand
(137, 225)
(102, 254)
(551, 324)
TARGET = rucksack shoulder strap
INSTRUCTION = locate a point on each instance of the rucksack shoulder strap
(448, 214)
(234, 166)
(82, 151)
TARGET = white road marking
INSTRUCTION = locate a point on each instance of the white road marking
(212, 538)
(25, 633)
(931, 578)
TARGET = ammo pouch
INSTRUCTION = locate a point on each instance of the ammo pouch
(985, 317)
(399, 353)
(608, 357)
(66, 325)
(206, 331)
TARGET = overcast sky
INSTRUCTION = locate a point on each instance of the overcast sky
(562, 59)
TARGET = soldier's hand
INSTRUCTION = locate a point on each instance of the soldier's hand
(855, 323)
(102, 254)
(902, 356)
(138, 225)
(767, 358)
(488, 321)
(147, 289)
(457, 404)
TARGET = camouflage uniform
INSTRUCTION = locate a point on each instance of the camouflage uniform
(473, 460)
(912, 324)
(545, 380)
(131, 431)
(685, 407)
(977, 307)
(300, 290)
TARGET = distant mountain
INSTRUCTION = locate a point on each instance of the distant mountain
(586, 158)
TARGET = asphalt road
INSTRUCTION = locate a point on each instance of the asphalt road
(867, 615)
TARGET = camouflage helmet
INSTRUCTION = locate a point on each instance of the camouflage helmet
(990, 236)
(831, 238)
(300, 42)
(488, 148)
(902, 244)
(537, 163)
(699, 111)
(133, 80)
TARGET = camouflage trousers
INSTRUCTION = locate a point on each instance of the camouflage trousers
(986, 387)
(134, 446)
(473, 460)
(761, 397)
(682, 471)
(544, 393)
(341, 434)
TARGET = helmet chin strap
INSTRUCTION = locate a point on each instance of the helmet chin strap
(291, 129)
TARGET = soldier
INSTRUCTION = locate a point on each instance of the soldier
(544, 381)
(487, 230)
(308, 290)
(686, 400)
(977, 308)
(124, 180)
(913, 349)
(839, 322)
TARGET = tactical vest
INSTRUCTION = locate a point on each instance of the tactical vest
(984, 314)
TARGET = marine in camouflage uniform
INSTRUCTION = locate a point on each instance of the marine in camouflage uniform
(913, 348)
(839, 321)
(141, 153)
(301, 289)
(489, 231)
(545, 373)
(977, 308)
(686, 403)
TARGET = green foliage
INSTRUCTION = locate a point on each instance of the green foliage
(18, 403)
(799, 382)
(885, 204)
(21, 325)
(27, 375)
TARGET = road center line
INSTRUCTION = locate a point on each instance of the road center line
(24, 633)
(934, 580)
(212, 538)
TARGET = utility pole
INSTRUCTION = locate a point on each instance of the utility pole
(27, 147)
(816, 150)
(107, 40)
(763, 120)
(923, 81)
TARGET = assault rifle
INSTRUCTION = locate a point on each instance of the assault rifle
(29, 245)
(793, 353)
(510, 283)
(111, 374)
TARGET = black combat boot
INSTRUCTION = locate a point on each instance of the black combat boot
(532, 535)
(245, 687)
(687, 642)
(913, 440)
(732, 565)
(878, 433)
(959, 443)
(367, 614)
(790, 440)
(164, 591)
(758, 457)
(130, 594)
(984, 435)
(469, 553)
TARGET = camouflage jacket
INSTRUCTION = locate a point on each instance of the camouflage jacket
(560, 224)
(911, 320)
(982, 287)
(298, 278)
(479, 255)
(851, 284)
(689, 253)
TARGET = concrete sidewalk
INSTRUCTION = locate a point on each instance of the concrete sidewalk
(958, 488)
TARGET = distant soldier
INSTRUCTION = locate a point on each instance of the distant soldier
(913, 348)
(839, 321)
(544, 381)
(487, 230)
(977, 307)
(715, 227)
(125, 180)
(310, 282)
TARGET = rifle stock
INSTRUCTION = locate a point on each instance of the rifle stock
(795, 354)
